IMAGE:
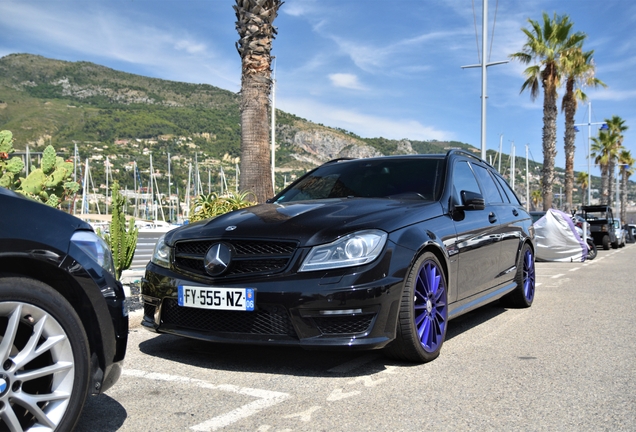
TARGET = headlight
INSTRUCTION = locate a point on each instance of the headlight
(96, 248)
(161, 254)
(354, 249)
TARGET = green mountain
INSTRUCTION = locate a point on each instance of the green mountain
(126, 118)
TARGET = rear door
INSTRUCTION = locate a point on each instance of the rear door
(477, 238)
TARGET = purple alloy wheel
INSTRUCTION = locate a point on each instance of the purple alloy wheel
(431, 312)
(528, 276)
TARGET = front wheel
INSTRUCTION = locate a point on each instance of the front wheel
(44, 358)
(423, 317)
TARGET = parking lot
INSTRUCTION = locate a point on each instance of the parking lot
(567, 363)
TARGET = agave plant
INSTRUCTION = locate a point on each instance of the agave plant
(211, 205)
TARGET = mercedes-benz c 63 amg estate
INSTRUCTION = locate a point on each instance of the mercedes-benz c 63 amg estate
(362, 253)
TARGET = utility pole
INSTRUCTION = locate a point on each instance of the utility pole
(589, 150)
(483, 65)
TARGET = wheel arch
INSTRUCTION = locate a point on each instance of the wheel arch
(68, 287)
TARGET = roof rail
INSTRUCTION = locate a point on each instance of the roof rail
(338, 160)
(465, 153)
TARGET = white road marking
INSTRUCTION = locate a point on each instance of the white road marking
(265, 398)
(367, 381)
(575, 269)
(338, 394)
(305, 415)
(557, 276)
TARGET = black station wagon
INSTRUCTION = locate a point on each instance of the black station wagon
(360, 253)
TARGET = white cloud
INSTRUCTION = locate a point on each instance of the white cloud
(612, 95)
(364, 125)
(97, 34)
(190, 47)
(344, 80)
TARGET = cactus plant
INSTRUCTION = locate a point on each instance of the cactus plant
(9, 168)
(122, 240)
(50, 183)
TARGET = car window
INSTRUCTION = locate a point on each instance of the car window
(463, 180)
(491, 193)
(369, 178)
(508, 191)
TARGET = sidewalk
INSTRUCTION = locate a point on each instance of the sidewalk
(130, 279)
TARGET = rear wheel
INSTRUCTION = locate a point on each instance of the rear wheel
(423, 316)
(606, 242)
(592, 251)
(523, 295)
(44, 358)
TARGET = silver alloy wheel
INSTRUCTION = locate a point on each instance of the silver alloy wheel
(37, 367)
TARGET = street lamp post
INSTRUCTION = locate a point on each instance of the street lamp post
(589, 149)
(483, 65)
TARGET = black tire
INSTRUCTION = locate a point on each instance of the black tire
(606, 242)
(615, 245)
(592, 251)
(31, 311)
(523, 295)
(423, 316)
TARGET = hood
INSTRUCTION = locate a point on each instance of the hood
(310, 222)
(27, 219)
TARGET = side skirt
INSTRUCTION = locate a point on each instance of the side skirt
(479, 300)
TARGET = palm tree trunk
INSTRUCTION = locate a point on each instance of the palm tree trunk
(256, 32)
(550, 113)
(569, 105)
(604, 182)
(623, 194)
(255, 156)
(610, 181)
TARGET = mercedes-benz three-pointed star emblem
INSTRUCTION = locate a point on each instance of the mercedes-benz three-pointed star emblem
(217, 259)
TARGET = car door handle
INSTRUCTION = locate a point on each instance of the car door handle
(492, 218)
(515, 212)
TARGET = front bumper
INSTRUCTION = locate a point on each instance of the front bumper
(346, 308)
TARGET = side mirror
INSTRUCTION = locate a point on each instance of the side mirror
(472, 201)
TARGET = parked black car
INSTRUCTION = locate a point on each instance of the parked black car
(63, 316)
(601, 220)
(365, 253)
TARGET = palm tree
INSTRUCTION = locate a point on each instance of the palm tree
(578, 68)
(545, 45)
(603, 151)
(256, 33)
(581, 180)
(626, 162)
(617, 126)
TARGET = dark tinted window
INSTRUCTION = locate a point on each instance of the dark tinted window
(491, 193)
(508, 191)
(369, 178)
(463, 180)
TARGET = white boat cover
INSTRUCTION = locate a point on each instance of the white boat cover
(557, 239)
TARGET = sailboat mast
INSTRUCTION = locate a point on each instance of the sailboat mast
(169, 191)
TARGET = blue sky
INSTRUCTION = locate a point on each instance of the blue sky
(374, 67)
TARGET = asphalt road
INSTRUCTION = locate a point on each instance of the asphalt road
(567, 364)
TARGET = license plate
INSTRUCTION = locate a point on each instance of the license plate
(238, 299)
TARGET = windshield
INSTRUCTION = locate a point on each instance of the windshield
(370, 178)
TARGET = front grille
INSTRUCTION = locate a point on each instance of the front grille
(149, 311)
(250, 257)
(267, 320)
(344, 324)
